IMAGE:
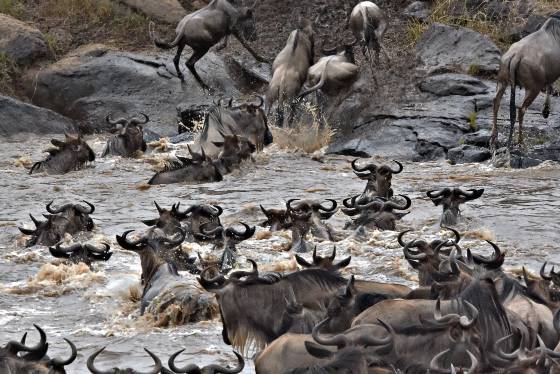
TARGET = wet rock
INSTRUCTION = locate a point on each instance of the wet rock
(523, 162)
(249, 76)
(417, 10)
(96, 80)
(468, 153)
(453, 84)
(169, 11)
(480, 138)
(184, 137)
(548, 151)
(17, 117)
(22, 43)
(472, 51)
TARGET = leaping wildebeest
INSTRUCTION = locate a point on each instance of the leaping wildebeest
(128, 136)
(531, 63)
(289, 71)
(204, 28)
(368, 24)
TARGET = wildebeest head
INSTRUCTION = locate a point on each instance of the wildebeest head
(128, 135)
(306, 215)
(277, 219)
(377, 211)
(378, 178)
(198, 169)
(85, 253)
(246, 23)
(539, 360)
(450, 199)
(199, 215)
(169, 220)
(541, 290)
(91, 365)
(210, 369)
(35, 360)
(69, 218)
(250, 119)
(326, 263)
(70, 154)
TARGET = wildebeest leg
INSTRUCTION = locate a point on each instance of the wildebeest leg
(197, 55)
(497, 100)
(293, 107)
(249, 49)
(546, 108)
(530, 96)
(223, 44)
(322, 105)
(280, 115)
(176, 60)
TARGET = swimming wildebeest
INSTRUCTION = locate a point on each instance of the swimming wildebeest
(163, 286)
(210, 369)
(35, 359)
(158, 367)
(368, 24)
(205, 27)
(378, 178)
(531, 63)
(226, 240)
(69, 218)
(71, 154)
(277, 219)
(198, 169)
(247, 120)
(85, 253)
(375, 212)
(308, 215)
(450, 199)
(128, 136)
(289, 72)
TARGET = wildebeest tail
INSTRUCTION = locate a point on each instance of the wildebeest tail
(296, 38)
(319, 85)
(513, 68)
(162, 43)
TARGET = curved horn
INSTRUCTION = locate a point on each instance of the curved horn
(241, 273)
(139, 121)
(84, 210)
(400, 238)
(372, 341)
(453, 317)
(433, 194)
(399, 170)
(369, 167)
(157, 364)
(393, 205)
(58, 210)
(57, 362)
(316, 258)
(507, 356)
(413, 256)
(36, 222)
(190, 368)
(339, 340)
(175, 242)
(218, 280)
(60, 252)
(261, 102)
(289, 204)
(110, 121)
(543, 275)
(333, 254)
(331, 209)
(132, 246)
(496, 261)
(249, 231)
(219, 210)
(350, 202)
(457, 235)
(91, 364)
(474, 193)
(159, 209)
(92, 248)
(16, 347)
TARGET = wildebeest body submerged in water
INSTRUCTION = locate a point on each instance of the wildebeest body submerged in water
(71, 154)
(128, 136)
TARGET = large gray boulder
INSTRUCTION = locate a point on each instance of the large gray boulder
(95, 80)
(169, 11)
(446, 48)
(468, 153)
(453, 84)
(19, 117)
(22, 43)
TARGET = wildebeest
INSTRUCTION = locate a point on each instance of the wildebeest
(276, 219)
(198, 169)
(450, 199)
(205, 27)
(308, 215)
(375, 212)
(531, 63)
(85, 253)
(69, 218)
(210, 369)
(378, 178)
(164, 287)
(289, 72)
(158, 367)
(35, 360)
(332, 73)
(326, 263)
(368, 24)
(247, 120)
(198, 215)
(128, 136)
(71, 154)
(541, 290)
(235, 149)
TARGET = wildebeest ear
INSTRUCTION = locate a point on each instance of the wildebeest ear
(343, 263)
(437, 201)
(316, 350)
(150, 222)
(301, 261)
(57, 143)
(218, 144)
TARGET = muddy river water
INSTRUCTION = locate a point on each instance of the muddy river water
(96, 308)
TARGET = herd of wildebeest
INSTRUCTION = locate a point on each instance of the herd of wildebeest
(466, 315)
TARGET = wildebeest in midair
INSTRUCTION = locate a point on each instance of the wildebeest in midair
(18, 358)
(450, 199)
(531, 63)
(289, 72)
(71, 154)
(368, 23)
(205, 27)
(128, 136)
(69, 218)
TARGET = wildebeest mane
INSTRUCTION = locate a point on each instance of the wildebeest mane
(552, 26)
(366, 300)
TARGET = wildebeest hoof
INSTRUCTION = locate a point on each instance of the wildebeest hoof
(546, 112)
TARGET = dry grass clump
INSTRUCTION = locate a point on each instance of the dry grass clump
(8, 70)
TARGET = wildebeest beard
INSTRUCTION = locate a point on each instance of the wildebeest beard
(252, 310)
